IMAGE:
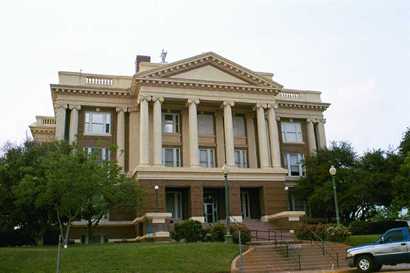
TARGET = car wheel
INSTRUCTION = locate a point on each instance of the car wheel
(365, 263)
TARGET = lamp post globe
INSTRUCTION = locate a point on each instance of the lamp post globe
(332, 170)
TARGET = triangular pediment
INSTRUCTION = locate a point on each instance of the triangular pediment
(208, 73)
(209, 67)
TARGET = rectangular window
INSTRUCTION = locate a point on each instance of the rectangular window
(171, 157)
(100, 154)
(239, 126)
(292, 132)
(170, 123)
(97, 123)
(295, 164)
(207, 157)
(206, 125)
(241, 159)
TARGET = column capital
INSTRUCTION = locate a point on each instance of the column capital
(74, 106)
(160, 99)
(272, 105)
(260, 105)
(193, 100)
(133, 108)
(121, 109)
(60, 105)
(310, 120)
(228, 102)
(144, 98)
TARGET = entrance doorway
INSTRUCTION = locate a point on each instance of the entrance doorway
(214, 209)
(176, 202)
(251, 203)
(245, 205)
(210, 212)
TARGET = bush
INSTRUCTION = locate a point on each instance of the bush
(337, 233)
(379, 227)
(311, 232)
(245, 233)
(217, 232)
(190, 231)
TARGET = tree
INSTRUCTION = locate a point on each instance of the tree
(358, 179)
(315, 188)
(111, 189)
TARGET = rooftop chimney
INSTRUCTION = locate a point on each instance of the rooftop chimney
(139, 59)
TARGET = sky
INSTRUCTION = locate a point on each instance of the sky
(356, 52)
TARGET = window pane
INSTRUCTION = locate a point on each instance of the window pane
(394, 236)
(205, 124)
(239, 126)
(170, 122)
(291, 132)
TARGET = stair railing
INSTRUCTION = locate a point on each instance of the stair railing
(322, 246)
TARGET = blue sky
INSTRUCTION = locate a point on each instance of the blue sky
(356, 52)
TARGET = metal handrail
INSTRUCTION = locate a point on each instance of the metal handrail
(322, 246)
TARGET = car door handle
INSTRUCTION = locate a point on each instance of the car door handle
(403, 244)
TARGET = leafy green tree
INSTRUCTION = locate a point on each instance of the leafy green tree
(404, 147)
(359, 182)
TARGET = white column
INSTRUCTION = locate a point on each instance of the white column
(133, 149)
(60, 121)
(121, 136)
(157, 130)
(193, 132)
(144, 130)
(274, 137)
(262, 140)
(229, 136)
(73, 132)
(311, 136)
(321, 133)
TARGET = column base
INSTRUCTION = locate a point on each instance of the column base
(228, 239)
(198, 218)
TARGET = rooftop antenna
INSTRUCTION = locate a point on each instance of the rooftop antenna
(163, 56)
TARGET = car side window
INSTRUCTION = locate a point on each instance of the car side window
(394, 236)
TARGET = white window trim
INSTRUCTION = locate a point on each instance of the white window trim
(175, 151)
(300, 159)
(243, 158)
(86, 124)
(210, 157)
(299, 133)
(105, 152)
(176, 122)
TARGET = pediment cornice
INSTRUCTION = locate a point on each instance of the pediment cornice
(209, 58)
(207, 85)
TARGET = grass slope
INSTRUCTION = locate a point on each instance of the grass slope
(355, 240)
(122, 258)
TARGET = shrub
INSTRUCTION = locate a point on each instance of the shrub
(379, 227)
(311, 232)
(190, 231)
(245, 233)
(337, 233)
(217, 232)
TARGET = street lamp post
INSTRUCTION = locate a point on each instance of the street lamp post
(228, 236)
(332, 172)
(156, 188)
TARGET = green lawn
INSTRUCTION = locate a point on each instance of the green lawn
(122, 258)
(355, 240)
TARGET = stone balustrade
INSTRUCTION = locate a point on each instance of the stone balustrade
(45, 121)
(299, 95)
(93, 80)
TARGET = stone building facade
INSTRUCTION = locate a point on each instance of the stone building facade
(176, 125)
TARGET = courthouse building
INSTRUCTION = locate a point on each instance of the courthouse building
(176, 125)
